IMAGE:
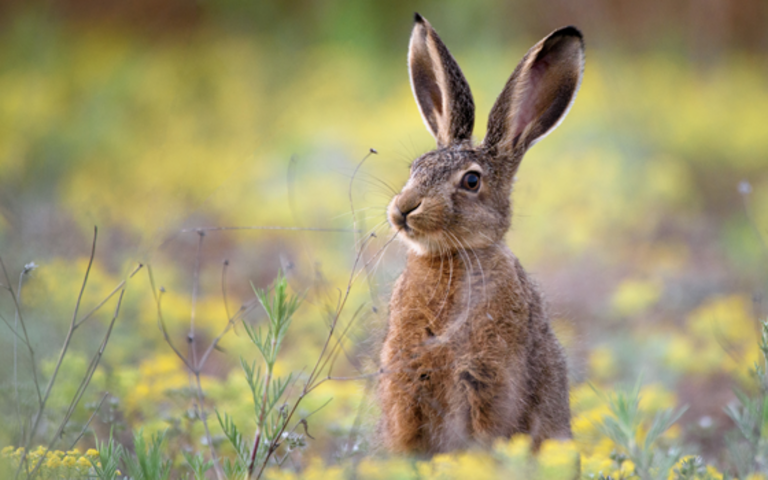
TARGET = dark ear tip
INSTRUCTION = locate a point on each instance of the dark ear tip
(569, 31)
(417, 18)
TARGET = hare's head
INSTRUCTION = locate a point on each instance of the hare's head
(458, 196)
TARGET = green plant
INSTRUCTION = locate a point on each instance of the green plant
(748, 444)
(149, 463)
(266, 389)
(622, 427)
(31, 423)
(198, 465)
(110, 457)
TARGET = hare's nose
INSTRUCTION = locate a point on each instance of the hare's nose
(404, 210)
(402, 207)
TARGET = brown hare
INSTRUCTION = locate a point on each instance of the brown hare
(469, 353)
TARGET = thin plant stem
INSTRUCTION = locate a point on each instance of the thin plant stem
(15, 358)
(201, 413)
(83, 385)
(195, 293)
(161, 320)
(10, 327)
(62, 353)
(26, 335)
(311, 383)
(191, 362)
(268, 227)
(16, 337)
(303, 420)
(237, 316)
(351, 184)
(204, 418)
(109, 296)
(260, 426)
(356, 425)
(744, 191)
(90, 419)
(224, 268)
(362, 376)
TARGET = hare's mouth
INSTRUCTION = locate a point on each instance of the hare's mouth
(399, 216)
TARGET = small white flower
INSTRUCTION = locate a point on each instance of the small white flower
(29, 267)
(745, 188)
(705, 421)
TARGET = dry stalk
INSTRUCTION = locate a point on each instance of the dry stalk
(24, 330)
(73, 325)
(82, 387)
(62, 354)
(327, 354)
(257, 227)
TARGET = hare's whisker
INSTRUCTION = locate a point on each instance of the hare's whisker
(372, 179)
(440, 274)
(447, 287)
(357, 210)
(482, 274)
(468, 273)
(378, 262)
(368, 234)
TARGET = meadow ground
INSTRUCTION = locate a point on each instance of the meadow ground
(643, 218)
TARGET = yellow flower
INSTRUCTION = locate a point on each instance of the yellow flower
(724, 321)
(475, 465)
(680, 353)
(655, 397)
(756, 476)
(53, 462)
(370, 469)
(596, 464)
(280, 474)
(713, 472)
(438, 467)
(68, 461)
(558, 459)
(317, 471)
(602, 363)
(517, 447)
(84, 462)
(635, 296)
(92, 452)
(7, 450)
(627, 468)
(585, 428)
(557, 453)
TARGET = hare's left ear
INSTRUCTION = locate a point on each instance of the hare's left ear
(538, 95)
(441, 91)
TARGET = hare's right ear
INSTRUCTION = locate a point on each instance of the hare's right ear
(538, 95)
(440, 88)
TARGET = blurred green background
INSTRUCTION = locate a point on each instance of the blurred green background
(146, 118)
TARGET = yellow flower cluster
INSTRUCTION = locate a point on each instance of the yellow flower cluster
(720, 336)
(508, 459)
(55, 464)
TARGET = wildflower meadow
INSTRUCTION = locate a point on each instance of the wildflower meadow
(195, 261)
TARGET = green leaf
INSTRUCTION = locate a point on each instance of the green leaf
(234, 436)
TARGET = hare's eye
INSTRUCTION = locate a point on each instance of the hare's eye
(471, 181)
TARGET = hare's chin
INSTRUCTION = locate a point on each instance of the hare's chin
(420, 244)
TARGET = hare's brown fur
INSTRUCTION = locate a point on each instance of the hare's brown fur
(469, 354)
